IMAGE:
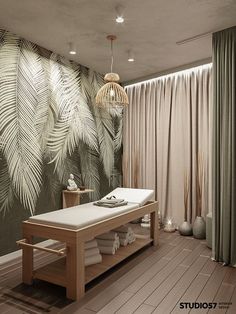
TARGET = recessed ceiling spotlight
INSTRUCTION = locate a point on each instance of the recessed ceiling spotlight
(130, 57)
(72, 49)
(120, 19)
(119, 14)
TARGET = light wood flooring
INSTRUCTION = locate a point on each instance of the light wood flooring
(155, 280)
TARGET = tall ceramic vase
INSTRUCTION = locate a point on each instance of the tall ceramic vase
(199, 228)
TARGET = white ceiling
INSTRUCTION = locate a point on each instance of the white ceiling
(151, 30)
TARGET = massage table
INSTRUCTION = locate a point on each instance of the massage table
(76, 225)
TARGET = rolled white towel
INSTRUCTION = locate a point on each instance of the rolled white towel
(90, 244)
(102, 242)
(131, 238)
(123, 229)
(94, 259)
(125, 235)
(107, 250)
(91, 252)
(118, 244)
(109, 243)
(124, 242)
(108, 236)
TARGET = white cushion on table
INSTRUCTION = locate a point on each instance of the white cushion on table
(80, 216)
(140, 196)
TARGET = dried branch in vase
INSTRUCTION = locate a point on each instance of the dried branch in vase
(200, 181)
(136, 171)
(125, 172)
(186, 193)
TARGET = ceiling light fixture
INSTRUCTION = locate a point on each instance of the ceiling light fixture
(130, 56)
(111, 94)
(119, 15)
(72, 49)
(120, 19)
(131, 59)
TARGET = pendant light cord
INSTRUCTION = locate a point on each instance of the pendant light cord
(112, 57)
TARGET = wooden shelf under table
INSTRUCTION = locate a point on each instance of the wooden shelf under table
(55, 272)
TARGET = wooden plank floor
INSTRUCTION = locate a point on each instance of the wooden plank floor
(155, 280)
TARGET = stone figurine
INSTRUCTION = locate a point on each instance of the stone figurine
(72, 186)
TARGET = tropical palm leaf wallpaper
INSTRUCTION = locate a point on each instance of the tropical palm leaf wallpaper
(49, 127)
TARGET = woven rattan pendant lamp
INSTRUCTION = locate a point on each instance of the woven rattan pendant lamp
(111, 94)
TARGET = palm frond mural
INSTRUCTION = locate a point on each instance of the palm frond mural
(42, 91)
(18, 100)
(89, 162)
(72, 165)
(109, 123)
(2, 33)
(6, 193)
(85, 85)
(119, 130)
(48, 114)
(105, 125)
(75, 121)
(52, 186)
(49, 125)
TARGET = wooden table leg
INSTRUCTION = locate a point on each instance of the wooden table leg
(27, 261)
(63, 200)
(154, 231)
(70, 199)
(75, 271)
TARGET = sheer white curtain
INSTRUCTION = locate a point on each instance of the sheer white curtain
(166, 125)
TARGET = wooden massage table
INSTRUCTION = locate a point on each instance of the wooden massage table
(76, 225)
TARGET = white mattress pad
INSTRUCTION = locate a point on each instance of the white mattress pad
(80, 216)
(84, 215)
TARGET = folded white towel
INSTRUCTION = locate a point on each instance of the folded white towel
(109, 243)
(91, 252)
(94, 259)
(107, 250)
(123, 229)
(125, 235)
(110, 204)
(108, 236)
(124, 242)
(90, 244)
(110, 201)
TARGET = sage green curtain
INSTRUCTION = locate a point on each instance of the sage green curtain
(224, 146)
